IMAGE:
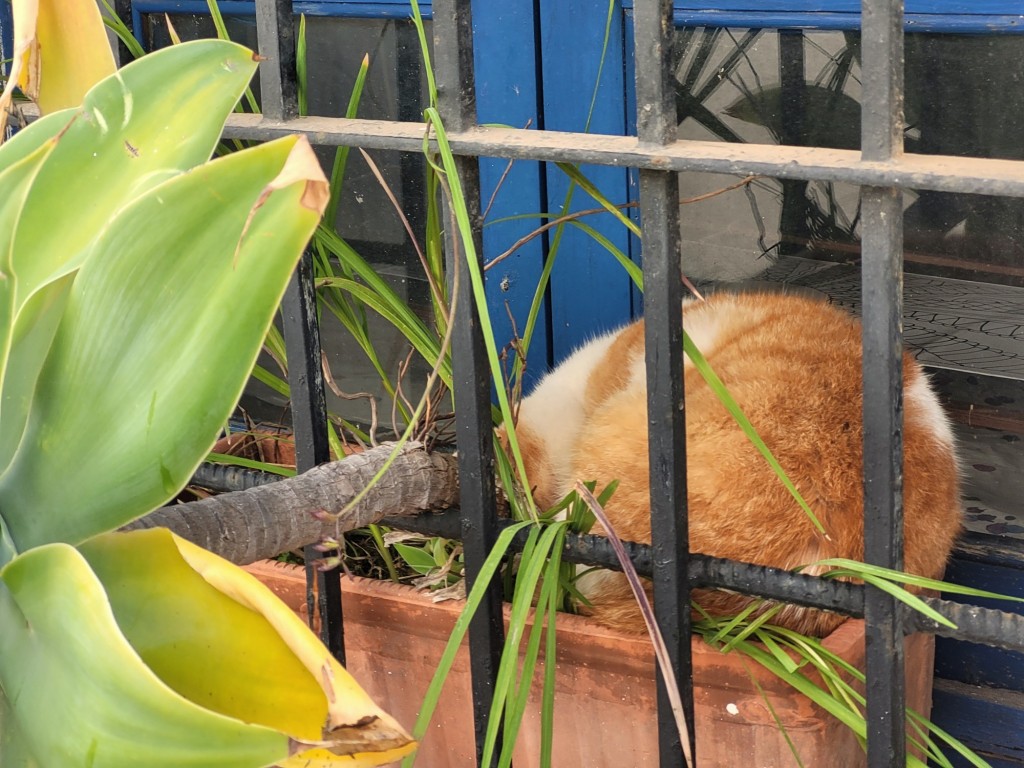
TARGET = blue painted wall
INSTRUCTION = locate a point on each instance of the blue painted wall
(589, 290)
(6, 35)
(509, 93)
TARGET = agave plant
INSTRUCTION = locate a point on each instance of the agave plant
(137, 281)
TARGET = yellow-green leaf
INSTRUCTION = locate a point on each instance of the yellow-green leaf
(161, 329)
(79, 695)
(60, 51)
(218, 636)
(122, 142)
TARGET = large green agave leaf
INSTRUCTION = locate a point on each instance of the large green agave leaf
(13, 749)
(158, 116)
(28, 140)
(15, 181)
(149, 360)
(27, 345)
(123, 140)
(218, 636)
(77, 694)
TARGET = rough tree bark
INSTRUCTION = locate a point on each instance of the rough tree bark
(262, 522)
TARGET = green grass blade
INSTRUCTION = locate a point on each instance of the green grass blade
(958, 746)
(473, 600)
(732, 623)
(341, 154)
(301, 72)
(124, 34)
(521, 605)
(271, 380)
(716, 385)
(775, 650)
(465, 227)
(752, 627)
(778, 722)
(547, 712)
(801, 683)
(394, 306)
(504, 680)
(910, 599)
(856, 567)
(377, 532)
(241, 461)
(410, 326)
(428, 69)
(636, 274)
(591, 189)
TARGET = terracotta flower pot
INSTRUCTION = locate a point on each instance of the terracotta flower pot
(605, 699)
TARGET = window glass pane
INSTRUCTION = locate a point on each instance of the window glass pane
(964, 254)
(367, 219)
(803, 88)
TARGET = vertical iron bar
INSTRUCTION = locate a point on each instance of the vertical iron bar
(793, 229)
(882, 274)
(453, 64)
(123, 9)
(275, 30)
(279, 101)
(309, 421)
(659, 216)
(882, 79)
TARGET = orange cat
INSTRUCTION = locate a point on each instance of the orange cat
(794, 366)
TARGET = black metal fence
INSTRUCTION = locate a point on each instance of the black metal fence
(881, 169)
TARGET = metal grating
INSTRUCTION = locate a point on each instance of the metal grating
(883, 171)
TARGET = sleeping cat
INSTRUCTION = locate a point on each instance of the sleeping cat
(794, 366)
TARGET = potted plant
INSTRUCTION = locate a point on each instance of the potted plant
(605, 708)
(119, 247)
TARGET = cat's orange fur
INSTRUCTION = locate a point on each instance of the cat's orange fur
(794, 366)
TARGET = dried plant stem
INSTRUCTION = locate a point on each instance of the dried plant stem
(435, 290)
(593, 211)
(660, 649)
(329, 379)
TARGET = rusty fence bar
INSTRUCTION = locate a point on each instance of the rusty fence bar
(882, 291)
(300, 327)
(659, 217)
(453, 65)
(941, 173)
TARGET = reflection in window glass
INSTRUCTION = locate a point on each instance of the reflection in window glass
(964, 254)
(803, 88)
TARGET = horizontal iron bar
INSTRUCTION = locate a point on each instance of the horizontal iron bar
(942, 173)
(976, 547)
(226, 478)
(974, 624)
(772, 583)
